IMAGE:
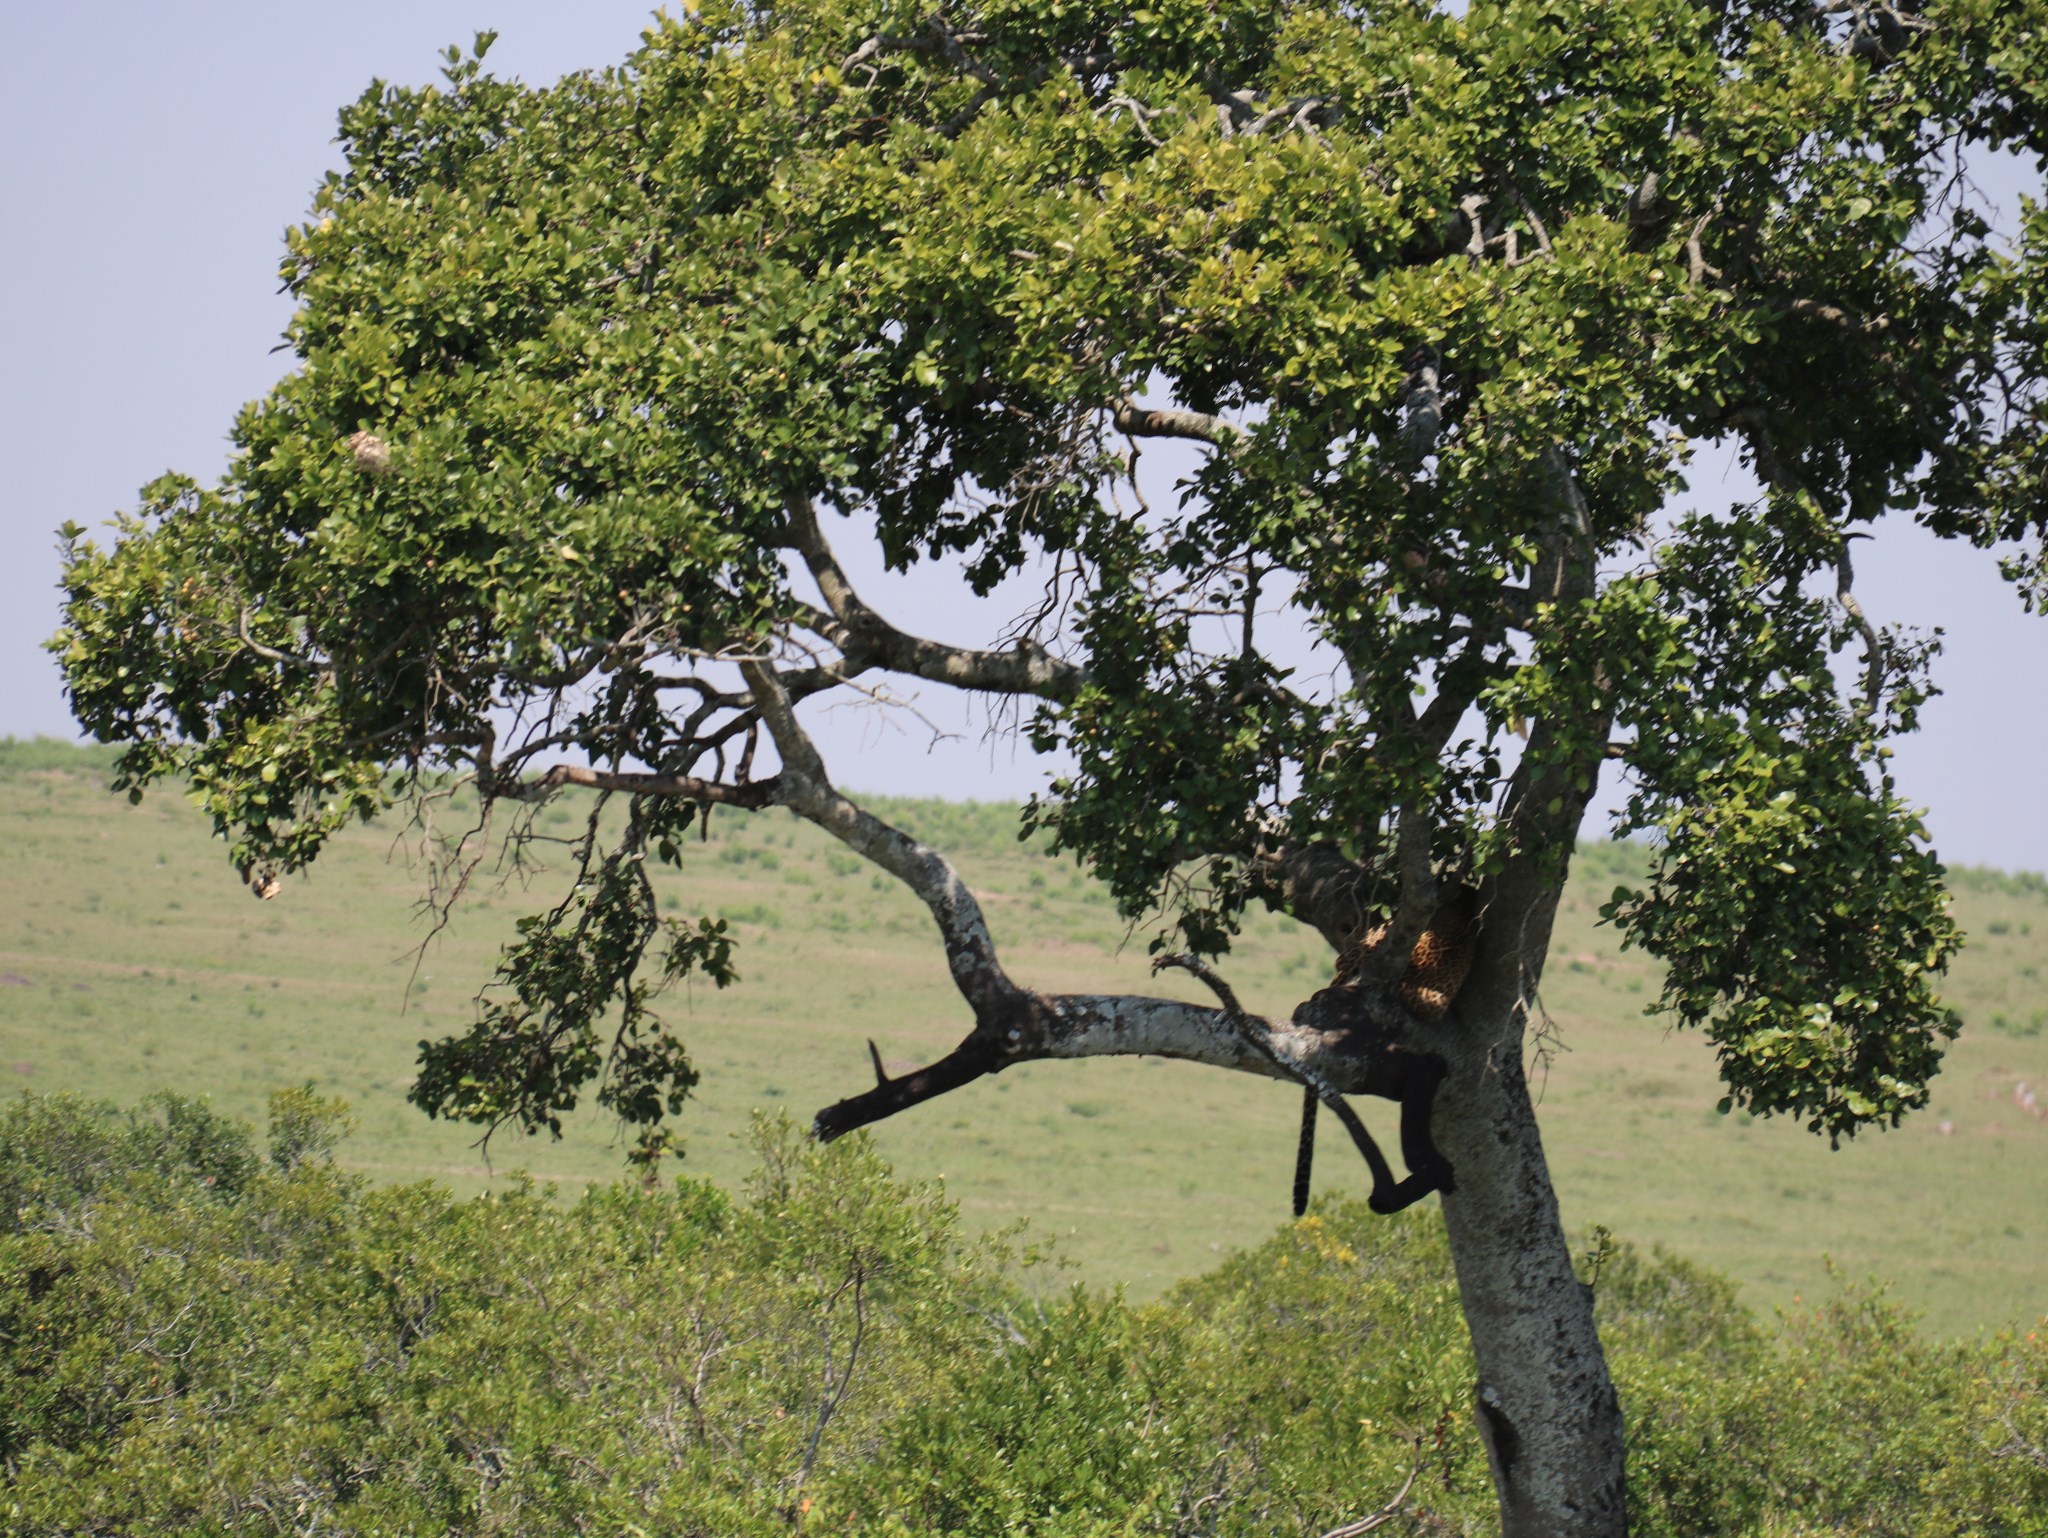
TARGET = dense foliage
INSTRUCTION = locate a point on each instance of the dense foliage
(592, 378)
(1453, 298)
(199, 1335)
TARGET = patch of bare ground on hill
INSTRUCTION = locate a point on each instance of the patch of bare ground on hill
(143, 964)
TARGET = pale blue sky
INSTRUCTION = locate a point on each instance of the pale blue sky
(154, 155)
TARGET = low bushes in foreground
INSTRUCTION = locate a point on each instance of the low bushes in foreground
(199, 1335)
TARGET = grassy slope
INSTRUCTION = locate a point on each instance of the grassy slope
(131, 960)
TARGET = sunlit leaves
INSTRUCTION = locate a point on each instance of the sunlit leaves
(538, 1039)
(1470, 287)
(1792, 897)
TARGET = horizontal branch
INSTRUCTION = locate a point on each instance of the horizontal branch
(684, 787)
(1042, 1027)
(867, 640)
(1172, 422)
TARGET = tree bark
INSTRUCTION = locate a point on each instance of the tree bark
(1546, 1407)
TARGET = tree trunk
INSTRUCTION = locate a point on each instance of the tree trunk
(1546, 1408)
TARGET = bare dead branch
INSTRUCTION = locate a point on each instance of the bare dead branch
(974, 1058)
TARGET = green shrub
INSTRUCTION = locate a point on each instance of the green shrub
(198, 1339)
(59, 1152)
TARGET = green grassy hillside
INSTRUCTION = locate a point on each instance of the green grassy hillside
(131, 959)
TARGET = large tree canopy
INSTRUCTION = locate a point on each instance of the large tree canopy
(1442, 305)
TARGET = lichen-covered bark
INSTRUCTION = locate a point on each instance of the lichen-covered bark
(1545, 1405)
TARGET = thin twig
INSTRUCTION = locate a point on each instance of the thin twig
(1388, 1512)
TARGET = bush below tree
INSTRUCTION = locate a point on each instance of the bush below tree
(201, 1334)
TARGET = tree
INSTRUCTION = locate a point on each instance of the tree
(1440, 303)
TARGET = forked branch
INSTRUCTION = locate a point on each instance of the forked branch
(1410, 1077)
(1331, 1050)
(1354, 1050)
(867, 640)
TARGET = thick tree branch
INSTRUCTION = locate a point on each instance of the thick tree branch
(1260, 1035)
(1546, 798)
(1403, 1074)
(868, 640)
(1319, 885)
(974, 1058)
(1014, 1024)
(1070, 1026)
(1348, 1058)
(1417, 900)
(1874, 655)
(1171, 422)
(805, 789)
